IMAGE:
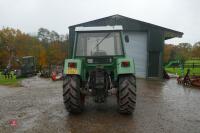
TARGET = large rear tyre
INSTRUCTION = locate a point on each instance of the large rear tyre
(127, 94)
(73, 99)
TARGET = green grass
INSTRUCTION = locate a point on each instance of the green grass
(195, 71)
(188, 63)
(9, 82)
(193, 61)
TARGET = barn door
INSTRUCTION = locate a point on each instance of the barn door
(154, 62)
(136, 48)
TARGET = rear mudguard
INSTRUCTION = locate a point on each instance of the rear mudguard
(125, 70)
(77, 69)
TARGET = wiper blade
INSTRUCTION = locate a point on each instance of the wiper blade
(102, 40)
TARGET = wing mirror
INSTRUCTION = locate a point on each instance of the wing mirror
(126, 38)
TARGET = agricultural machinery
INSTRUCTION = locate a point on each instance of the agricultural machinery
(27, 66)
(99, 67)
(56, 72)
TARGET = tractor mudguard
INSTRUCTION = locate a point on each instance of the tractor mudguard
(72, 67)
(125, 66)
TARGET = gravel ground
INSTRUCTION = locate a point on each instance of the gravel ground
(162, 107)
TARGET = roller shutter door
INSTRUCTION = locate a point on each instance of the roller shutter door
(136, 48)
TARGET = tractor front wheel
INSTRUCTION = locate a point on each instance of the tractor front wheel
(126, 94)
(72, 96)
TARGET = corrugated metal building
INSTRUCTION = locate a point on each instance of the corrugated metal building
(145, 42)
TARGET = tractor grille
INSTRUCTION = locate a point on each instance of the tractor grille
(100, 60)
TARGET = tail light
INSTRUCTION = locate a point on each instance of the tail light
(72, 65)
(125, 64)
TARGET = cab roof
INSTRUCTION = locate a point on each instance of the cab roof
(100, 28)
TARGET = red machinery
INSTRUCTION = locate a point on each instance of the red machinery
(188, 80)
(56, 73)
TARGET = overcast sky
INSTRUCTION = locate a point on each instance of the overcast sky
(30, 15)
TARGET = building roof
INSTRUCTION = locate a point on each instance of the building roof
(116, 20)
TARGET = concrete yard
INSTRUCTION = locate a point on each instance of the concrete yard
(37, 107)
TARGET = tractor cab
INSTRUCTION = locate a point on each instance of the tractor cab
(98, 48)
(98, 44)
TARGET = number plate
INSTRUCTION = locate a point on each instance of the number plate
(72, 71)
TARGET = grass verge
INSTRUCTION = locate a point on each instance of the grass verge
(14, 82)
(193, 71)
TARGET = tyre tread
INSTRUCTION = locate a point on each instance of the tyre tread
(127, 94)
(72, 94)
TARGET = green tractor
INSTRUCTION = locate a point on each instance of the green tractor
(99, 68)
(27, 66)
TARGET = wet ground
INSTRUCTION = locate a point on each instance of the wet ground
(162, 107)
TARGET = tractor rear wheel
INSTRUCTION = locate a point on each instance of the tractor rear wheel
(127, 94)
(72, 96)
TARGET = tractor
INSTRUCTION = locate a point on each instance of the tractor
(99, 68)
(27, 66)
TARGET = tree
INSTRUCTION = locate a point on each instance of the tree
(54, 36)
(196, 50)
(183, 52)
(168, 51)
(44, 35)
(7, 47)
(55, 54)
(48, 47)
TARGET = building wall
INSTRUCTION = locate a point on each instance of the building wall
(155, 53)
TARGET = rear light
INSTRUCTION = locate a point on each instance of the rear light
(125, 64)
(72, 65)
